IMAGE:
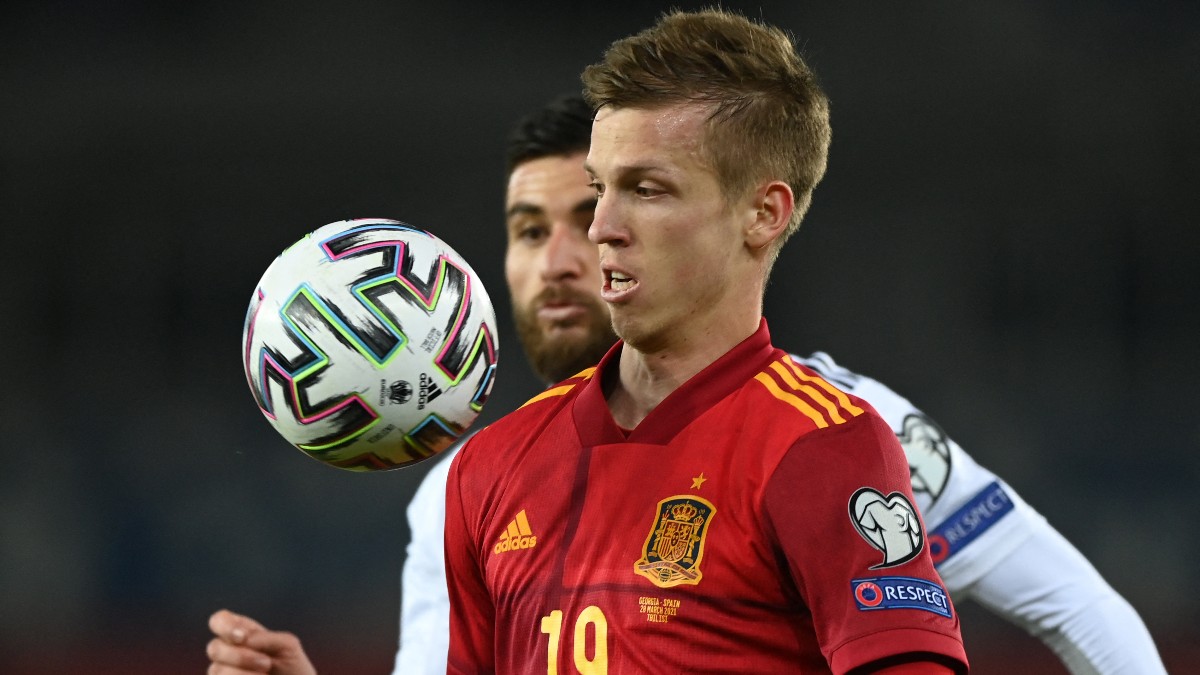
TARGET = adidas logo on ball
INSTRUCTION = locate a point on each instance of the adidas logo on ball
(428, 391)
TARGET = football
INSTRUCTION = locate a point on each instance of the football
(370, 344)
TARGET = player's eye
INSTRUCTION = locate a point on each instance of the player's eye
(532, 234)
(598, 187)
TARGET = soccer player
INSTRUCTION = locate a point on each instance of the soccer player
(698, 501)
(988, 544)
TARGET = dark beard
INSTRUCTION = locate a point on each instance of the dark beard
(554, 360)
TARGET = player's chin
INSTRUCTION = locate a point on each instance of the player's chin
(642, 335)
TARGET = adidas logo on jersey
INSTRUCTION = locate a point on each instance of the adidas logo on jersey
(517, 536)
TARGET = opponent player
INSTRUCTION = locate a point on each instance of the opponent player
(637, 518)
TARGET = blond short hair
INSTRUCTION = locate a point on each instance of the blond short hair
(769, 119)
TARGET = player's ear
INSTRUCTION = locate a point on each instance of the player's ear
(774, 202)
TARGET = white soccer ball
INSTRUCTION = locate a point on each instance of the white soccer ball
(370, 344)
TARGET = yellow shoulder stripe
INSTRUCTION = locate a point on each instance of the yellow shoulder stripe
(840, 395)
(792, 400)
(561, 389)
(549, 393)
(812, 393)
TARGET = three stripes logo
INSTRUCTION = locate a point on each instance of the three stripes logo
(819, 401)
(428, 391)
(517, 536)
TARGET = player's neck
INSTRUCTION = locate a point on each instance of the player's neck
(644, 378)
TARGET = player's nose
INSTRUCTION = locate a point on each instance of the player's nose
(606, 225)
(564, 254)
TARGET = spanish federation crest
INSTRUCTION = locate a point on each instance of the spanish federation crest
(675, 545)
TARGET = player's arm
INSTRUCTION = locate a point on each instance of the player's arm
(917, 667)
(1048, 587)
(472, 614)
(1023, 570)
(242, 645)
(424, 604)
(839, 508)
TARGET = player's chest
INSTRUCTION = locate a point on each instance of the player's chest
(655, 523)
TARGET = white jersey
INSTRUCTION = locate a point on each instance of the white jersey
(988, 544)
(424, 601)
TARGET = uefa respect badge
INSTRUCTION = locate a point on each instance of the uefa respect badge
(900, 593)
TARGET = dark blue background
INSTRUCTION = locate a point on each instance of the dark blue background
(1007, 235)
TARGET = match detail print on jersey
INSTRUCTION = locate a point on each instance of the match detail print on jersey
(889, 523)
(675, 546)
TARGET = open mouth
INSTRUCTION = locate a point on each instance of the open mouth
(620, 282)
(617, 285)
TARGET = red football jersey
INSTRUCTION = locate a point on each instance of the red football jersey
(759, 520)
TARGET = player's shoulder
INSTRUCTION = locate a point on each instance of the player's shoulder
(801, 399)
(535, 413)
(817, 429)
(890, 405)
(558, 392)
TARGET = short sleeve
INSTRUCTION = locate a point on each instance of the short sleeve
(840, 509)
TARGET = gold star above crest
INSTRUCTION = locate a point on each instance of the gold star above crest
(697, 481)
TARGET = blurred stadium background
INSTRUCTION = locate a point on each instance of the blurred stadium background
(1007, 234)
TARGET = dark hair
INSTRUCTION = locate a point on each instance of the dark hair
(769, 118)
(561, 127)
